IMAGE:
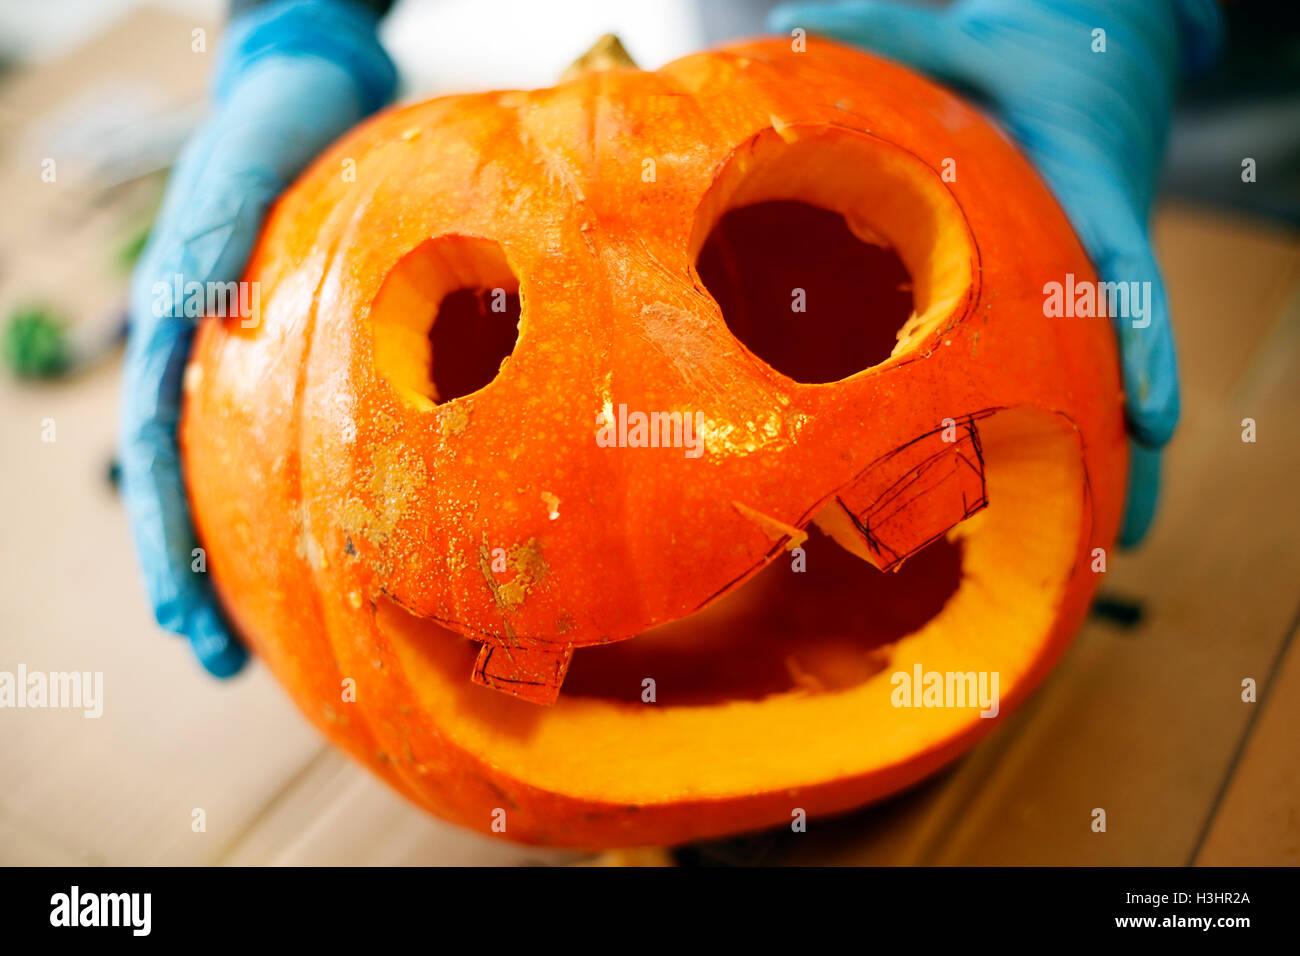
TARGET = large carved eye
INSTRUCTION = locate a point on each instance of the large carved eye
(828, 251)
(786, 274)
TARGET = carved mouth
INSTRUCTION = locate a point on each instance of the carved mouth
(816, 621)
(786, 680)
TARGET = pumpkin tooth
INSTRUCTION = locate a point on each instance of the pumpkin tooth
(774, 528)
(910, 497)
(531, 672)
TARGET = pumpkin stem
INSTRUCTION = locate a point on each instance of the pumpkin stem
(607, 53)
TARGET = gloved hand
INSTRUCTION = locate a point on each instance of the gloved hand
(292, 77)
(1093, 123)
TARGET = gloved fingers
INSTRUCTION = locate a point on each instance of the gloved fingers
(274, 123)
(1143, 492)
(210, 639)
(174, 568)
(1121, 251)
(1133, 294)
(924, 38)
(276, 119)
(1103, 210)
(1150, 365)
(338, 31)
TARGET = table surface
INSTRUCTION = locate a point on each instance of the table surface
(1146, 721)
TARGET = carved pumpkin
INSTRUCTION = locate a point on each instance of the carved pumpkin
(551, 623)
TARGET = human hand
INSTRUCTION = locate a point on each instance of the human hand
(292, 77)
(1093, 123)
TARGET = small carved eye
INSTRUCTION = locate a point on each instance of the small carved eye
(446, 318)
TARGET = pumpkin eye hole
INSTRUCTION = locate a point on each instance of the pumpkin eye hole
(802, 292)
(473, 333)
(446, 319)
(830, 251)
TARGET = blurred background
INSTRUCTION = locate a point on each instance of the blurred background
(1146, 706)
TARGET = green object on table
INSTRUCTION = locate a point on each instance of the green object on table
(35, 343)
(130, 250)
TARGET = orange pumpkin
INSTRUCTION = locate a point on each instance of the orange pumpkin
(398, 496)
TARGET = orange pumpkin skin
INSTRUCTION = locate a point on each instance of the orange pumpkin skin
(346, 523)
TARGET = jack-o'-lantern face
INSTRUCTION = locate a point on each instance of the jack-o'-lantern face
(686, 409)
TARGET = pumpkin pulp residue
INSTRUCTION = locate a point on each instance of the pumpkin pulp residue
(530, 569)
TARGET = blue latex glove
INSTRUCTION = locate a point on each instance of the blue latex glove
(1094, 125)
(292, 77)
